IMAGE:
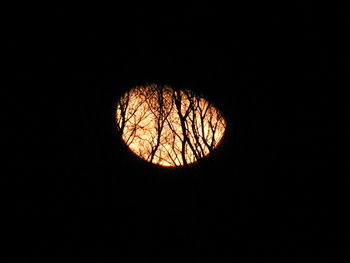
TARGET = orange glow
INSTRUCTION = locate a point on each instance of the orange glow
(168, 127)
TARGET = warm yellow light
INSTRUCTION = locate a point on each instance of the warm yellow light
(168, 127)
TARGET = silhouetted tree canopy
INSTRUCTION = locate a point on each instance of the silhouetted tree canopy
(168, 127)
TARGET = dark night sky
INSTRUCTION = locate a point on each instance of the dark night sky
(273, 191)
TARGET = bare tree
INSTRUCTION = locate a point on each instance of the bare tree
(167, 126)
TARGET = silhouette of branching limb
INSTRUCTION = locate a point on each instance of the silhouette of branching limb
(122, 106)
(168, 126)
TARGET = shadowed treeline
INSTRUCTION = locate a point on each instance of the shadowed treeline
(167, 126)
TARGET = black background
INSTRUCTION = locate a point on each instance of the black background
(273, 192)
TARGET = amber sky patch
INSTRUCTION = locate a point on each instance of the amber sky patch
(168, 127)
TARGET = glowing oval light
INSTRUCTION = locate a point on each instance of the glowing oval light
(168, 127)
